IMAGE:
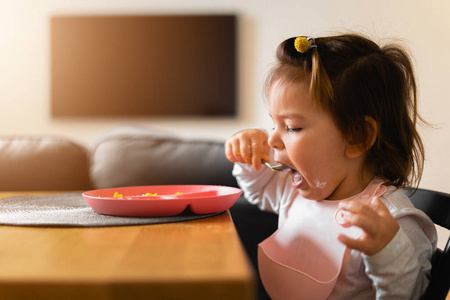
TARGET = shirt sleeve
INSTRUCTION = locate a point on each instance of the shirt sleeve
(265, 188)
(401, 270)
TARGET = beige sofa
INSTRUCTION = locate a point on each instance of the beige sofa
(122, 156)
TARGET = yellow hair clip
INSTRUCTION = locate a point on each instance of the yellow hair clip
(303, 44)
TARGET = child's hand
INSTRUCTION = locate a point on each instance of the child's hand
(378, 225)
(248, 146)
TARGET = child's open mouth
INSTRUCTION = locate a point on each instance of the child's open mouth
(297, 178)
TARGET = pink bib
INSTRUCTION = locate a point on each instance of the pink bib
(303, 258)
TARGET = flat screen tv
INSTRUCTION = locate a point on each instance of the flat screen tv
(145, 65)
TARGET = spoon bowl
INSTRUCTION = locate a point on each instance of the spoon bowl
(278, 168)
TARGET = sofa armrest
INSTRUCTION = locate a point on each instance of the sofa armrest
(42, 163)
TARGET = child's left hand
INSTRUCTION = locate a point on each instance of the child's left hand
(378, 225)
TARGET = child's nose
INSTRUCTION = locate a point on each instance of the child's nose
(275, 141)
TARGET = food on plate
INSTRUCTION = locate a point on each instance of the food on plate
(117, 195)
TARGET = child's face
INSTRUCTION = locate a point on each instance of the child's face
(307, 139)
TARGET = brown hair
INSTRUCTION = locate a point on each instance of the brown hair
(351, 77)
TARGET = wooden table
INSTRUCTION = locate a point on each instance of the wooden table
(201, 259)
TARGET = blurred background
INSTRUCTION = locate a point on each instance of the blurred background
(422, 26)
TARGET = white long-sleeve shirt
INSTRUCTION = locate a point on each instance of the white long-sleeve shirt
(399, 271)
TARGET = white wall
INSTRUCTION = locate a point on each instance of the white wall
(423, 26)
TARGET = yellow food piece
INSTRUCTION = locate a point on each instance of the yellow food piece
(116, 194)
(150, 194)
(179, 193)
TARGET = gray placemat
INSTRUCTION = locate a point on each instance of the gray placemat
(70, 209)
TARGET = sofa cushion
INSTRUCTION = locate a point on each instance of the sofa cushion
(42, 163)
(131, 155)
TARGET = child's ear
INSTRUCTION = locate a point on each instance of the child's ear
(372, 132)
(354, 150)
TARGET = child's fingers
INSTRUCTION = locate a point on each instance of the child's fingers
(260, 151)
(366, 224)
(358, 244)
(358, 208)
(379, 206)
(248, 146)
(257, 154)
(252, 149)
(229, 152)
(232, 150)
(266, 150)
(359, 215)
(378, 225)
(245, 151)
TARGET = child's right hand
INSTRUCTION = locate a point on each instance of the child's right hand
(248, 146)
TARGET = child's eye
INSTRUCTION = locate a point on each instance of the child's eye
(289, 129)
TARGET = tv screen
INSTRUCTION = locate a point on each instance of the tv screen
(165, 65)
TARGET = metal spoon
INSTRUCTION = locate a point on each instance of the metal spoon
(279, 168)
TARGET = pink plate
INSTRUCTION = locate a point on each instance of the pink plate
(201, 199)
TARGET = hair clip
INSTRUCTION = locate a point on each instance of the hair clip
(303, 44)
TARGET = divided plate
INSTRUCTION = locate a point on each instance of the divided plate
(170, 200)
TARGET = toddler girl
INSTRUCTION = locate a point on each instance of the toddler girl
(345, 114)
